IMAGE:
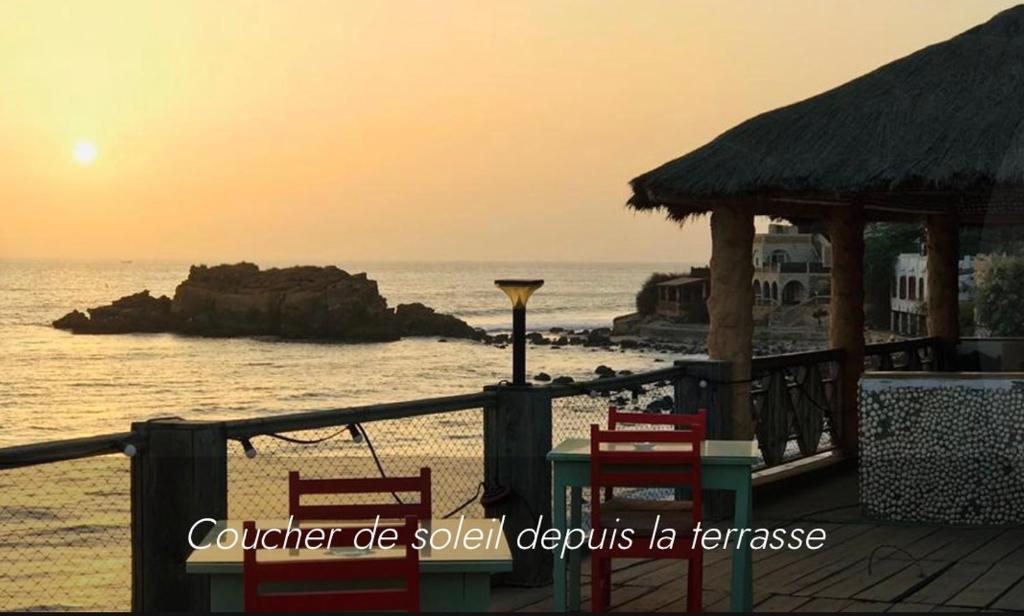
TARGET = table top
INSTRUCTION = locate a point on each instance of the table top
(491, 558)
(743, 453)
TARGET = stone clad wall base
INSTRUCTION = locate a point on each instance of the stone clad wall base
(942, 450)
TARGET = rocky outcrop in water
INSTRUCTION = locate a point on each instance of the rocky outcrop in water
(418, 320)
(295, 302)
(140, 312)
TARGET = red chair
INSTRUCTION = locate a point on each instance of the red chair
(677, 421)
(295, 585)
(681, 421)
(390, 486)
(619, 459)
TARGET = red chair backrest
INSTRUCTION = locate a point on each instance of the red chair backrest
(672, 462)
(398, 564)
(391, 510)
(682, 421)
(678, 421)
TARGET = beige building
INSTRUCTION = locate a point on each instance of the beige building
(910, 289)
(790, 265)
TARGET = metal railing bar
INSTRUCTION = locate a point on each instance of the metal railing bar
(66, 449)
(310, 420)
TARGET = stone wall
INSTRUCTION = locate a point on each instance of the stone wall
(942, 448)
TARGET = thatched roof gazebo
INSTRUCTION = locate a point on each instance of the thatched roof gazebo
(937, 136)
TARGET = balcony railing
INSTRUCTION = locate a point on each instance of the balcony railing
(796, 404)
(792, 268)
(78, 496)
(916, 354)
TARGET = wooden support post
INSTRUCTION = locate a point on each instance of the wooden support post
(731, 308)
(846, 323)
(943, 244)
(517, 474)
(699, 389)
(178, 477)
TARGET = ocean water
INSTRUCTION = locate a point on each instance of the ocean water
(57, 385)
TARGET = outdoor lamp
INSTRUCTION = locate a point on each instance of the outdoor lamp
(355, 433)
(519, 291)
(250, 451)
(128, 449)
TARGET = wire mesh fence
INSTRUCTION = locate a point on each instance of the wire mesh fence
(572, 416)
(450, 443)
(65, 536)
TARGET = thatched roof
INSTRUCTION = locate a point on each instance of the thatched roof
(682, 281)
(940, 128)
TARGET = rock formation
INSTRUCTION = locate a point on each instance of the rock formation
(140, 312)
(295, 302)
(418, 320)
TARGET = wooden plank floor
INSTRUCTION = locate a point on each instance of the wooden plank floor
(864, 566)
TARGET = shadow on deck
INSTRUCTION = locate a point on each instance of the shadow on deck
(864, 566)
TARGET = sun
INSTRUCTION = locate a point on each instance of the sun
(85, 152)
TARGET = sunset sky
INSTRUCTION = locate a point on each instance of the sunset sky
(440, 130)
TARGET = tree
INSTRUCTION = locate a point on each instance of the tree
(1000, 295)
(883, 242)
(647, 298)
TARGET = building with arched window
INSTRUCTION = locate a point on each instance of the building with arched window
(908, 303)
(791, 265)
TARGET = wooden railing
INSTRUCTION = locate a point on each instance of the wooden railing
(180, 468)
(794, 399)
(914, 355)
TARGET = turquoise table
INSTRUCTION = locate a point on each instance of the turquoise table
(726, 465)
(452, 579)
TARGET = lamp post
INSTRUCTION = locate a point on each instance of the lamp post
(519, 291)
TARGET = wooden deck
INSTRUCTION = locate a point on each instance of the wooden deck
(864, 566)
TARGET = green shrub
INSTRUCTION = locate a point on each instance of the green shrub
(647, 298)
(1000, 296)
